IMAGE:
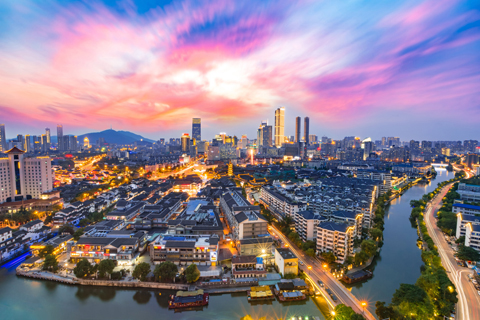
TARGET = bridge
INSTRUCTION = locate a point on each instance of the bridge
(440, 165)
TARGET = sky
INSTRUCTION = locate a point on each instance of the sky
(365, 68)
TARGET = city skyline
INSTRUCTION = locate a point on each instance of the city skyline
(403, 69)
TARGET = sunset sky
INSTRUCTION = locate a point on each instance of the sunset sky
(366, 68)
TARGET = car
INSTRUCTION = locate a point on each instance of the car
(301, 263)
(320, 283)
(474, 281)
(334, 298)
(329, 291)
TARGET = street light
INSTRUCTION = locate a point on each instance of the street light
(364, 304)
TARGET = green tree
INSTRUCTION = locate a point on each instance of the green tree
(77, 234)
(361, 257)
(329, 257)
(50, 263)
(383, 311)
(460, 240)
(369, 246)
(467, 253)
(141, 271)
(192, 273)
(82, 268)
(343, 312)
(67, 228)
(310, 252)
(412, 300)
(48, 249)
(165, 271)
(106, 266)
(376, 234)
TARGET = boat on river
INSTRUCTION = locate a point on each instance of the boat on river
(188, 299)
(260, 293)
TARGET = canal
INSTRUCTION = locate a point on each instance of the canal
(23, 298)
(400, 258)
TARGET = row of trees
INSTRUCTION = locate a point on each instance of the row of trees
(104, 268)
(165, 272)
(433, 292)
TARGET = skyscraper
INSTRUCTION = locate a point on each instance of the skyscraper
(197, 129)
(28, 144)
(298, 129)
(60, 142)
(306, 132)
(48, 139)
(185, 142)
(279, 126)
(3, 138)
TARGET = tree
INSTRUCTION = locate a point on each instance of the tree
(343, 312)
(141, 271)
(67, 228)
(376, 234)
(412, 300)
(361, 257)
(329, 257)
(460, 240)
(165, 271)
(77, 234)
(82, 268)
(48, 249)
(382, 311)
(310, 252)
(50, 263)
(467, 253)
(192, 273)
(369, 246)
(106, 266)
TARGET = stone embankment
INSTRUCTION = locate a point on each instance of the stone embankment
(104, 283)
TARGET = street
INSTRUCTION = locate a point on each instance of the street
(317, 272)
(468, 306)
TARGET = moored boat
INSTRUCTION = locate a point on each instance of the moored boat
(187, 299)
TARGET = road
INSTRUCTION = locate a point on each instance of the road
(468, 306)
(317, 272)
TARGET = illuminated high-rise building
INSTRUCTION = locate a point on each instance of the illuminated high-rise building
(28, 143)
(197, 129)
(60, 142)
(306, 132)
(279, 126)
(24, 178)
(49, 139)
(298, 129)
(185, 142)
(3, 138)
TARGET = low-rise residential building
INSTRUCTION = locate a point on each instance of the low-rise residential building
(472, 236)
(248, 267)
(201, 250)
(279, 204)
(126, 214)
(384, 177)
(306, 224)
(96, 249)
(466, 209)
(244, 220)
(469, 192)
(337, 238)
(351, 218)
(286, 261)
(462, 221)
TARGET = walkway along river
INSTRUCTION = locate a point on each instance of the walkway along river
(400, 258)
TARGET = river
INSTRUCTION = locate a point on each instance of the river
(400, 258)
(23, 298)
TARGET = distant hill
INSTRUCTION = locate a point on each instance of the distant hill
(113, 136)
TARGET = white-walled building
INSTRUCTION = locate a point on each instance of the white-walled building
(286, 261)
(337, 238)
(462, 221)
(472, 236)
(306, 224)
(24, 178)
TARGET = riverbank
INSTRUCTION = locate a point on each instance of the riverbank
(44, 275)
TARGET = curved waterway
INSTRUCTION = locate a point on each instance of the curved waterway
(24, 298)
(400, 258)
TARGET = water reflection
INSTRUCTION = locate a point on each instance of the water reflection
(103, 293)
(142, 297)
